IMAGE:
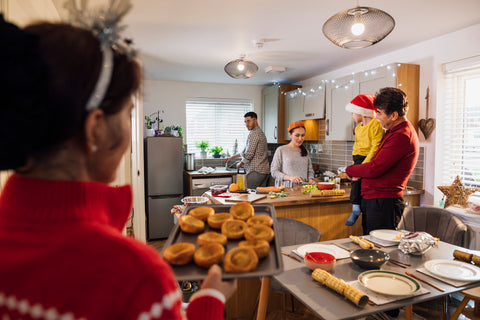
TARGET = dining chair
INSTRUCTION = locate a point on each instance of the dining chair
(439, 223)
(288, 232)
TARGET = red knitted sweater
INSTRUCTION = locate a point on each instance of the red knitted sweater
(63, 256)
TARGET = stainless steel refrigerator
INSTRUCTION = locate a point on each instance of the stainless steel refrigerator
(163, 183)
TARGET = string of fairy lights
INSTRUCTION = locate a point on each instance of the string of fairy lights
(346, 82)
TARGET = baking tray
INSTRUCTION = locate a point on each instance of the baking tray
(268, 266)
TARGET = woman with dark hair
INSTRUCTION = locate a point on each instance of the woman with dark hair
(65, 125)
(291, 164)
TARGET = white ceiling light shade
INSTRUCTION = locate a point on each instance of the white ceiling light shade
(241, 68)
(358, 27)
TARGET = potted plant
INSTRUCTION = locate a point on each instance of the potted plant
(150, 121)
(202, 145)
(216, 151)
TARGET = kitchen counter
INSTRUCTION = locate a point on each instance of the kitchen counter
(219, 172)
(327, 214)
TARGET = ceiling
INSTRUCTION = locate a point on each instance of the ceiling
(192, 40)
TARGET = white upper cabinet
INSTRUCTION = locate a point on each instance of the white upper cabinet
(314, 104)
(293, 108)
(338, 122)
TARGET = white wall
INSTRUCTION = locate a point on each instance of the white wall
(430, 55)
(171, 96)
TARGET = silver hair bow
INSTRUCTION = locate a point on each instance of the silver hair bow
(104, 22)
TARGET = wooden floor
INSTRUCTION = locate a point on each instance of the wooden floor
(157, 244)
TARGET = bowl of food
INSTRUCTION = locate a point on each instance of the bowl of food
(326, 185)
(218, 189)
(369, 258)
(322, 260)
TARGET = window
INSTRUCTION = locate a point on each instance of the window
(218, 122)
(459, 122)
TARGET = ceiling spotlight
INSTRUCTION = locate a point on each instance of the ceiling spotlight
(241, 68)
(358, 27)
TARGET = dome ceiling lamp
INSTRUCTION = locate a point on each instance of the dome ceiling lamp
(358, 27)
(241, 68)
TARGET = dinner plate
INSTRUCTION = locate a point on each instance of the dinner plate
(388, 283)
(452, 269)
(386, 235)
(338, 253)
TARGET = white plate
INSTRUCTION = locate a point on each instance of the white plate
(386, 234)
(388, 283)
(451, 269)
(337, 252)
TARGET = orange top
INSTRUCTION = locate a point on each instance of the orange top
(295, 124)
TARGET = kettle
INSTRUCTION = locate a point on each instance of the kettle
(242, 179)
(189, 161)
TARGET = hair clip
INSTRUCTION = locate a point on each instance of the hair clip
(105, 25)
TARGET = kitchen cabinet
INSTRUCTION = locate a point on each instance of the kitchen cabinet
(273, 109)
(314, 103)
(293, 108)
(398, 75)
(338, 122)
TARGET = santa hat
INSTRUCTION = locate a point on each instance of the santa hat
(362, 105)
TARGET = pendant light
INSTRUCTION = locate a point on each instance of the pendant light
(241, 68)
(358, 27)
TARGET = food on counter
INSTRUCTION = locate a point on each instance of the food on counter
(271, 189)
(273, 195)
(233, 187)
(191, 224)
(242, 211)
(309, 187)
(261, 247)
(215, 221)
(260, 219)
(259, 232)
(211, 237)
(208, 255)
(342, 175)
(179, 253)
(234, 229)
(363, 243)
(240, 260)
(202, 213)
(327, 193)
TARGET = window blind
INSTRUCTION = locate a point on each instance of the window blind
(460, 126)
(218, 122)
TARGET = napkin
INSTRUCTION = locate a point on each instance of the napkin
(338, 252)
(455, 283)
(380, 299)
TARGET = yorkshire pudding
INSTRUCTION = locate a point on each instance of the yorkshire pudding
(215, 221)
(234, 229)
(240, 259)
(201, 213)
(211, 237)
(259, 232)
(260, 219)
(179, 253)
(261, 247)
(190, 224)
(209, 254)
(242, 211)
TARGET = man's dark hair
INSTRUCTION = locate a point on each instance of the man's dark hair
(250, 114)
(390, 100)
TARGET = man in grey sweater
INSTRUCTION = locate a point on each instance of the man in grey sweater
(254, 156)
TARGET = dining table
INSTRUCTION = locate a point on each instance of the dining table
(327, 304)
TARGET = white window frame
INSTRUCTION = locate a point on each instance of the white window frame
(223, 125)
(458, 127)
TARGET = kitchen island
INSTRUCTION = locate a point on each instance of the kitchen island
(327, 214)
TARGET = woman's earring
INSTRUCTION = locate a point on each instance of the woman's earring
(94, 148)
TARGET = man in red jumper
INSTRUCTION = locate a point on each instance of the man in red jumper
(385, 177)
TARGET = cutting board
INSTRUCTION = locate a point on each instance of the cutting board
(251, 197)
